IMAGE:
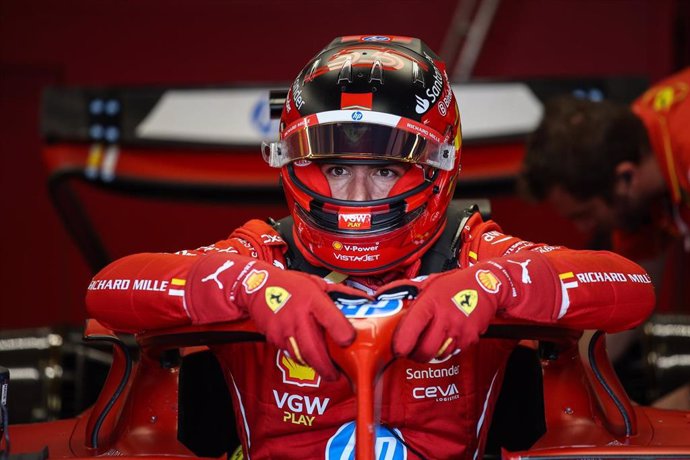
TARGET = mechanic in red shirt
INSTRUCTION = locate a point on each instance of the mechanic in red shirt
(369, 153)
(609, 167)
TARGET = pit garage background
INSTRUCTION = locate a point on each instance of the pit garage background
(57, 58)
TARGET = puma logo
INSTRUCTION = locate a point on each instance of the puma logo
(525, 273)
(214, 276)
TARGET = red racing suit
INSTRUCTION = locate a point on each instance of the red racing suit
(665, 112)
(441, 410)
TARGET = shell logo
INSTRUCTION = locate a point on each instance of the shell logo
(295, 373)
(254, 280)
(488, 281)
(337, 245)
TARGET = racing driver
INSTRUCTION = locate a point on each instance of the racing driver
(369, 155)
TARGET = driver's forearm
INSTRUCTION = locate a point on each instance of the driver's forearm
(614, 296)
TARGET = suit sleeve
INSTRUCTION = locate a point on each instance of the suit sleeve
(141, 291)
(159, 290)
(553, 284)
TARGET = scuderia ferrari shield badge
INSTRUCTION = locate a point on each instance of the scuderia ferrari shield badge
(466, 301)
(276, 298)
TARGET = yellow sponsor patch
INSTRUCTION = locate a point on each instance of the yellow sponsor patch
(254, 280)
(466, 301)
(488, 281)
(295, 373)
(276, 298)
(337, 245)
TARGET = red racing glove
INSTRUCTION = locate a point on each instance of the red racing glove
(292, 309)
(454, 308)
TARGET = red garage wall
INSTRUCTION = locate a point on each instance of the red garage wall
(180, 42)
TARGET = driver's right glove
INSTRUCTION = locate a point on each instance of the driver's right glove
(292, 309)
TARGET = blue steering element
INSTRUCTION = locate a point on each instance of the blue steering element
(341, 446)
(362, 308)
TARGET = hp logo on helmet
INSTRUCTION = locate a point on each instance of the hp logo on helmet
(356, 116)
(376, 38)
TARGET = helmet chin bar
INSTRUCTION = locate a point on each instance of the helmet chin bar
(400, 257)
(393, 219)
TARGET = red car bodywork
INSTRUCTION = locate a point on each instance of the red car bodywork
(587, 413)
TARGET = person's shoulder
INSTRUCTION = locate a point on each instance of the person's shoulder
(665, 94)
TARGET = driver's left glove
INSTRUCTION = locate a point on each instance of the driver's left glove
(453, 309)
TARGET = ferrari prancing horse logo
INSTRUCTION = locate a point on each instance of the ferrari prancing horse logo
(466, 301)
(276, 298)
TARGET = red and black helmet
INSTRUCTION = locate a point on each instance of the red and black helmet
(369, 99)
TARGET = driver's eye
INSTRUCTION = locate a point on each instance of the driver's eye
(336, 171)
(390, 173)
